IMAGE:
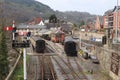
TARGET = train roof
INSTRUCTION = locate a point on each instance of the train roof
(70, 38)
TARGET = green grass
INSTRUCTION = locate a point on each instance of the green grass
(27, 58)
(18, 73)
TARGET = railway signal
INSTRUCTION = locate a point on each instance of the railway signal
(14, 29)
(8, 28)
(28, 34)
(20, 44)
(23, 45)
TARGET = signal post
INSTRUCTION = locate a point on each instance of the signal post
(24, 45)
(17, 44)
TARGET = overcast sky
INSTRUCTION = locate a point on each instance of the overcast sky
(97, 7)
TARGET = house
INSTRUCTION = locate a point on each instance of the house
(65, 27)
(36, 21)
(97, 25)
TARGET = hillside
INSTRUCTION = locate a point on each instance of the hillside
(24, 10)
(76, 17)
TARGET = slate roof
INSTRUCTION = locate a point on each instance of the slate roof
(45, 31)
(65, 27)
(108, 12)
(25, 26)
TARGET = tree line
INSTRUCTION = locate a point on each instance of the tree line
(3, 53)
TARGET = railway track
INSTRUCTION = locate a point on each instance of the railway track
(41, 68)
(32, 68)
(46, 69)
(79, 72)
(59, 48)
(54, 46)
(70, 68)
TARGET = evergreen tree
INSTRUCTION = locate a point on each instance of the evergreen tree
(3, 47)
(3, 56)
(53, 19)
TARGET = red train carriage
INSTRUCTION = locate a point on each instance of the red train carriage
(58, 37)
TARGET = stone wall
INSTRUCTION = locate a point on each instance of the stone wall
(104, 54)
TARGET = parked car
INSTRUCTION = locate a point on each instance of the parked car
(85, 55)
(94, 59)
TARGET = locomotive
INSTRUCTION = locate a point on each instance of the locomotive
(71, 46)
(38, 44)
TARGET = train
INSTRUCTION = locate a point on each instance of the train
(70, 48)
(38, 45)
(57, 37)
(71, 45)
